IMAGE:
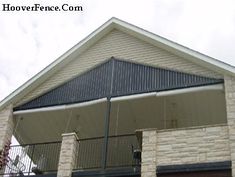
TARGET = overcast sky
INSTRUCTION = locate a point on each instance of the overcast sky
(30, 41)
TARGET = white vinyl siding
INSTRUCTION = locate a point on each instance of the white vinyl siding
(121, 46)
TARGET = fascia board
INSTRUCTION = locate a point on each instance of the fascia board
(175, 48)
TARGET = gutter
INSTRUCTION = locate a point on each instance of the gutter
(62, 107)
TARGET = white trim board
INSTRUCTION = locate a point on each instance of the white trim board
(60, 107)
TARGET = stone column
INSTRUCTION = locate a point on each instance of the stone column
(229, 83)
(149, 156)
(67, 154)
(6, 125)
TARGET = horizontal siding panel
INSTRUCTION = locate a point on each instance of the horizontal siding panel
(123, 46)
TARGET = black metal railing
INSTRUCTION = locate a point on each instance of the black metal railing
(119, 153)
(89, 153)
(43, 158)
(32, 159)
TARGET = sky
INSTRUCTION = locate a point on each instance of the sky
(29, 41)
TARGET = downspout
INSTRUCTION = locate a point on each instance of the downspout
(106, 133)
(107, 119)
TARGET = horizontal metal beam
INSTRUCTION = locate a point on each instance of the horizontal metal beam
(132, 97)
(169, 92)
(114, 172)
(62, 107)
(210, 166)
(190, 90)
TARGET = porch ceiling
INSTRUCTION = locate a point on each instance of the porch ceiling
(178, 111)
(184, 110)
(49, 126)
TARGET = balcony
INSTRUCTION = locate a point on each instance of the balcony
(106, 130)
(43, 158)
(31, 159)
(170, 149)
(174, 149)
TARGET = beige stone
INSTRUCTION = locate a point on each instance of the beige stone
(197, 145)
(148, 163)
(229, 83)
(67, 154)
(6, 125)
(203, 144)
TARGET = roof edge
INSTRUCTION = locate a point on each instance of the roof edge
(52, 68)
(171, 45)
(99, 33)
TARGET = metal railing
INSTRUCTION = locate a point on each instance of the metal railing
(89, 153)
(32, 159)
(121, 149)
(119, 153)
(43, 158)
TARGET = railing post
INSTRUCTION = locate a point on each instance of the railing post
(30, 166)
(67, 154)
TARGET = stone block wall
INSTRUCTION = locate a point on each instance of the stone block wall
(229, 83)
(149, 144)
(184, 146)
(196, 145)
(6, 125)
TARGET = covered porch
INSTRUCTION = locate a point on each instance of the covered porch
(106, 108)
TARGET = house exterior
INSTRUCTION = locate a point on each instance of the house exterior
(123, 102)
